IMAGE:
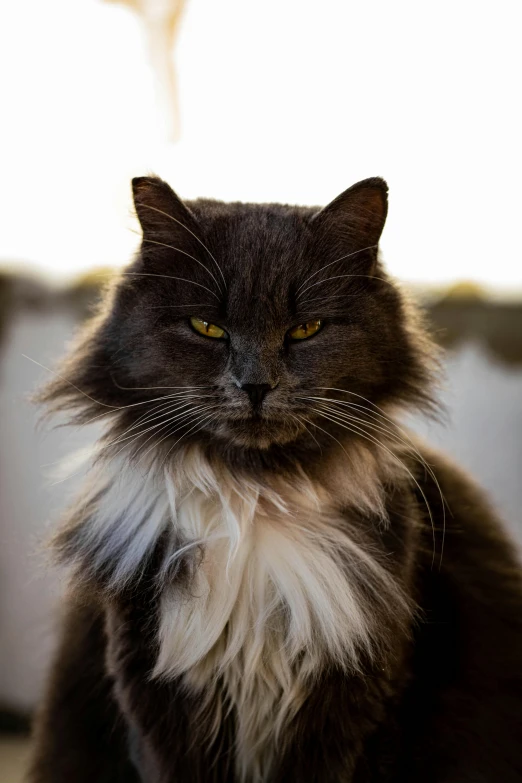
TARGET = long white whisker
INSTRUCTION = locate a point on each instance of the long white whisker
(152, 388)
(393, 431)
(114, 407)
(171, 408)
(326, 299)
(185, 419)
(211, 416)
(167, 401)
(162, 406)
(179, 395)
(358, 419)
(171, 432)
(120, 439)
(342, 258)
(356, 430)
(179, 250)
(333, 438)
(407, 443)
(154, 426)
(149, 206)
(168, 277)
(176, 307)
(405, 434)
(339, 277)
(302, 419)
(158, 428)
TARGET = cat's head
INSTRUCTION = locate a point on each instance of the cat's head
(255, 325)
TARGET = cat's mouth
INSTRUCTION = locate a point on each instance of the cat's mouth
(260, 429)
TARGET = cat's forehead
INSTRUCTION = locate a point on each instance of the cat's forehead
(244, 233)
(260, 247)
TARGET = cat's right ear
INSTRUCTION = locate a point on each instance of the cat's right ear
(160, 211)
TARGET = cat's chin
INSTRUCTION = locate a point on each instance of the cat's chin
(258, 433)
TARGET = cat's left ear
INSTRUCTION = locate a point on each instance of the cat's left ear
(356, 218)
(160, 211)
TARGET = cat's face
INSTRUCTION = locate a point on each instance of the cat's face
(250, 316)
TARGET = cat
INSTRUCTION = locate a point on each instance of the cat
(271, 580)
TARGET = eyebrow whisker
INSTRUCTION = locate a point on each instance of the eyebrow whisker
(149, 206)
(342, 258)
(169, 277)
(179, 250)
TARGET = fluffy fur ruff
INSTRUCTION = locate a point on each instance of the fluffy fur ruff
(263, 583)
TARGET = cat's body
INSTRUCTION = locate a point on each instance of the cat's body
(277, 583)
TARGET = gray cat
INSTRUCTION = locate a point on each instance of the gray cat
(271, 581)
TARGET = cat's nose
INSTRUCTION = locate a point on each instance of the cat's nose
(257, 391)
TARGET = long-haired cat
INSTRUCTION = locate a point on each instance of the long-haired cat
(271, 580)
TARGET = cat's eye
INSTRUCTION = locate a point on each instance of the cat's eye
(303, 331)
(207, 329)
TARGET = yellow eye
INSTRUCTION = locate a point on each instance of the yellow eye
(302, 331)
(209, 330)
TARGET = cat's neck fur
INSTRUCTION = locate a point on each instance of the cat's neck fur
(264, 581)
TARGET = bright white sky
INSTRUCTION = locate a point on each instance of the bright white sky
(290, 100)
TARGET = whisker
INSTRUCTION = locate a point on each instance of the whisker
(180, 395)
(381, 413)
(158, 427)
(152, 388)
(302, 419)
(333, 438)
(107, 413)
(168, 277)
(356, 430)
(167, 409)
(69, 382)
(114, 442)
(149, 206)
(377, 408)
(339, 277)
(408, 444)
(358, 418)
(171, 432)
(393, 431)
(322, 298)
(148, 415)
(185, 419)
(342, 258)
(121, 439)
(190, 304)
(209, 417)
(179, 250)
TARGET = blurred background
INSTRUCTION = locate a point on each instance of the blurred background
(284, 100)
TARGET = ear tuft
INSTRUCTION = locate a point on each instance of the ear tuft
(159, 210)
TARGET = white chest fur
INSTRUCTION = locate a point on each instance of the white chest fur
(277, 594)
(276, 589)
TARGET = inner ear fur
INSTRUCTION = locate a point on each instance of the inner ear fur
(160, 210)
(355, 219)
